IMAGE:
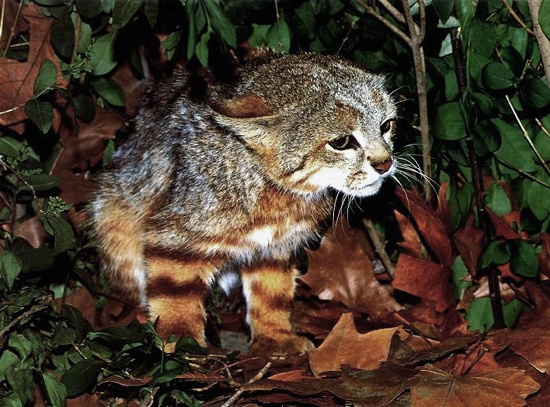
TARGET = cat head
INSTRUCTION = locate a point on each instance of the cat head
(316, 122)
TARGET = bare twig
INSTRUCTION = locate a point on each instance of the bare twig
(516, 17)
(524, 173)
(544, 130)
(477, 178)
(235, 396)
(14, 171)
(393, 11)
(379, 247)
(526, 136)
(387, 23)
(13, 109)
(2, 16)
(543, 41)
(26, 314)
(12, 32)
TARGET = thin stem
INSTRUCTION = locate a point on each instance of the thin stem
(26, 314)
(526, 136)
(542, 127)
(516, 17)
(2, 15)
(12, 32)
(235, 396)
(379, 247)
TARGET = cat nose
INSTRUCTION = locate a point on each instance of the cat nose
(382, 168)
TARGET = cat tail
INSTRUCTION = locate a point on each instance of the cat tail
(117, 230)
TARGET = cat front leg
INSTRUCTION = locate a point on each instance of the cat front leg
(269, 291)
(177, 286)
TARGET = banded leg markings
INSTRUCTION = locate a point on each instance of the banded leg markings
(176, 292)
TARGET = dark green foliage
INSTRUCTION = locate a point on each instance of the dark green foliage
(40, 342)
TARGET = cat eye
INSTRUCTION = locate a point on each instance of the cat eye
(343, 143)
(387, 126)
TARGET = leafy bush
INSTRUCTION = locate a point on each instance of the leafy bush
(73, 69)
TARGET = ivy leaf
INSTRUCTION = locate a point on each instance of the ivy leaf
(102, 54)
(524, 261)
(10, 267)
(109, 90)
(46, 78)
(40, 113)
(123, 11)
(81, 376)
(448, 122)
(497, 76)
(55, 390)
(223, 27)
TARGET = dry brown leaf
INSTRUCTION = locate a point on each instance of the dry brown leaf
(505, 387)
(17, 79)
(424, 279)
(341, 271)
(468, 241)
(345, 346)
(430, 225)
(21, 24)
(411, 241)
(81, 152)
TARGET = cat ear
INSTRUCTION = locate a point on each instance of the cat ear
(248, 115)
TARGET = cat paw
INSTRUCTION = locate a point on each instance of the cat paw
(282, 346)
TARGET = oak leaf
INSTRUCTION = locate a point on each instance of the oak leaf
(506, 387)
(430, 225)
(17, 80)
(427, 280)
(345, 346)
(341, 271)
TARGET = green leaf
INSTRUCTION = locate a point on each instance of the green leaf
(7, 359)
(108, 153)
(81, 376)
(511, 312)
(40, 113)
(189, 345)
(11, 147)
(544, 17)
(151, 11)
(55, 390)
(305, 20)
(62, 34)
(483, 102)
(84, 107)
(85, 40)
(46, 78)
(535, 92)
(109, 90)
(259, 35)
(444, 9)
(41, 182)
(538, 198)
(63, 336)
(10, 267)
(460, 199)
(448, 122)
(193, 31)
(480, 315)
(117, 334)
(62, 232)
(497, 76)
(123, 11)
(524, 261)
(13, 400)
(172, 40)
(497, 200)
(514, 150)
(202, 49)
(77, 319)
(89, 8)
(278, 36)
(495, 253)
(460, 272)
(102, 54)
(483, 38)
(223, 27)
(22, 345)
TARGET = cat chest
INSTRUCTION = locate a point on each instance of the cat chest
(289, 233)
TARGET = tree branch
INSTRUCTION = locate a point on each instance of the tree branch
(544, 43)
(516, 17)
